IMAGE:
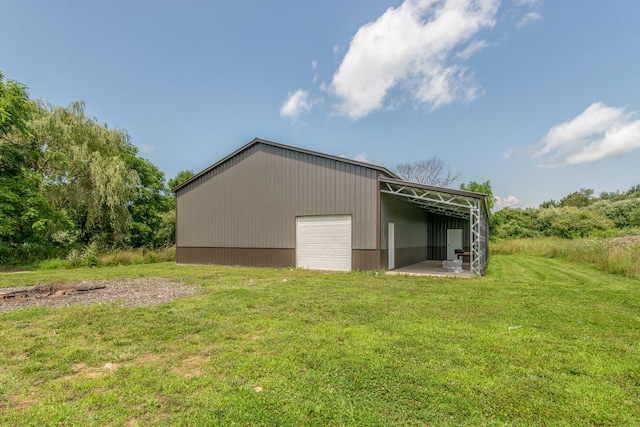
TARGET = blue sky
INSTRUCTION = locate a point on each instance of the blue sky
(540, 97)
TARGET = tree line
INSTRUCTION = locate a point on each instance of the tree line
(67, 181)
(579, 214)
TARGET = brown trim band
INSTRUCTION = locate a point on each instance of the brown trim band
(362, 259)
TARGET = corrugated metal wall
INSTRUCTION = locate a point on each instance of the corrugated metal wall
(256, 195)
(411, 232)
(437, 231)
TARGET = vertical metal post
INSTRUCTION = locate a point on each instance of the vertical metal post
(475, 240)
(484, 240)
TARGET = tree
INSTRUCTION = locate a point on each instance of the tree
(27, 221)
(483, 188)
(570, 222)
(431, 171)
(166, 234)
(515, 223)
(15, 107)
(85, 172)
(583, 197)
(150, 205)
(180, 178)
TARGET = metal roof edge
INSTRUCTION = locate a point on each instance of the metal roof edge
(464, 193)
(256, 141)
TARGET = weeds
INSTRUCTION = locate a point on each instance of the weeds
(617, 255)
(90, 257)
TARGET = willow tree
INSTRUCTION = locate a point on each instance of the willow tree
(84, 171)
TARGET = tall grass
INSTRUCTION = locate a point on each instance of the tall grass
(617, 255)
(91, 258)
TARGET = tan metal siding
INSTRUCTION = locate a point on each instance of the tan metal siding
(255, 197)
(410, 231)
(410, 223)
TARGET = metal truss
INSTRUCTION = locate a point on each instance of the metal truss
(430, 198)
(454, 203)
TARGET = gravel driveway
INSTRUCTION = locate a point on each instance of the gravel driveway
(125, 293)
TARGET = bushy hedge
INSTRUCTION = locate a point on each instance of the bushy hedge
(570, 218)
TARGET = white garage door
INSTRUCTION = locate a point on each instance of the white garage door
(324, 242)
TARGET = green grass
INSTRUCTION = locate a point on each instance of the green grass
(617, 255)
(538, 341)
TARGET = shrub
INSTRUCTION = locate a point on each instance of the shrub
(87, 257)
(138, 256)
(55, 264)
(571, 222)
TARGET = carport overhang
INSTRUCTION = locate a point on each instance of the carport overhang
(456, 203)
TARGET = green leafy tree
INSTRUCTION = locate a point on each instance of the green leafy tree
(85, 171)
(515, 223)
(28, 223)
(620, 211)
(151, 205)
(549, 204)
(166, 234)
(483, 188)
(15, 107)
(181, 177)
(583, 197)
(570, 222)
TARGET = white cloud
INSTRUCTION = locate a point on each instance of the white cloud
(597, 133)
(296, 104)
(503, 202)
(530, 3)
(362, 157)
(411, 48)
(532, 15)
(507, 154)
(528, 18)
(473, 47)
(314, 66)
(147, 148)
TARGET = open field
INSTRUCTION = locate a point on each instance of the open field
(617, 255)
(538, 341)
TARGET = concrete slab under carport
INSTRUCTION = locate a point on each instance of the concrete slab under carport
(430, 268)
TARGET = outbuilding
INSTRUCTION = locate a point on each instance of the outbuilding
(274, 205)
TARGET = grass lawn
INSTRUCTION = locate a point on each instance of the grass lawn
(538, 341)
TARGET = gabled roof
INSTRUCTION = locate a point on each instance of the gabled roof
(257, 141)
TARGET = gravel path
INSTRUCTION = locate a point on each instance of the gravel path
(125, 293)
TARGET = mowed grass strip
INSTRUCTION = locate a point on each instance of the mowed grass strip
(538, 341)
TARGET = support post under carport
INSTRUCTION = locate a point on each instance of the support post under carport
(475, 252)
(455, 203)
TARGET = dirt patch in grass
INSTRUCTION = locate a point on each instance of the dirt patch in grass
(125, 293)
(191, 366)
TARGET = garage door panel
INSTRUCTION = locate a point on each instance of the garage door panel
(324, 242)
